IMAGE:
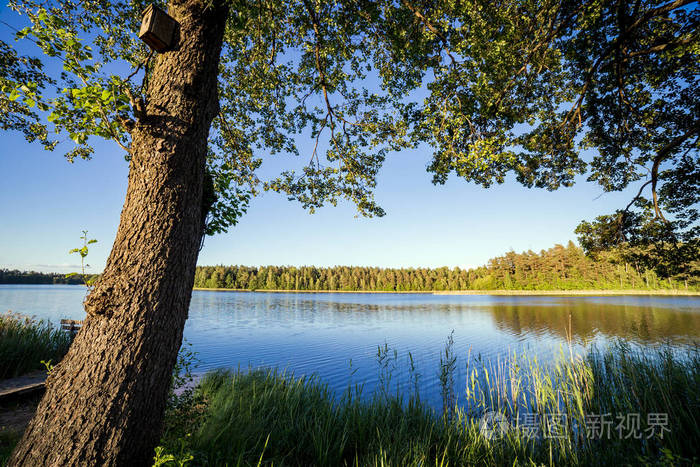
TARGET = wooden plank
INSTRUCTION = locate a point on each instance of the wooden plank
(71, 325)
(23, 391)
(72, 321)
(25, 385)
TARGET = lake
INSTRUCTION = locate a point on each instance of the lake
(336, 335)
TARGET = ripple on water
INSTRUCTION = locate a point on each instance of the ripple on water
(336, 335)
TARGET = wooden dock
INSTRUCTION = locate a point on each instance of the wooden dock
(71, 325)
(30, 384)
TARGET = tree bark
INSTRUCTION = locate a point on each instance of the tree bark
(104, 403)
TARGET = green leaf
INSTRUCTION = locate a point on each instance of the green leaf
(78, 138)
(22, 33)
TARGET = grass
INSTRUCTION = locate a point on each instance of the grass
(25, 342)
(265, 417)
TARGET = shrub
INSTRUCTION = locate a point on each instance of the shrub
(25, 342)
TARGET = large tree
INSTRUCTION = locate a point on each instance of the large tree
(509, 87)
(242, 79)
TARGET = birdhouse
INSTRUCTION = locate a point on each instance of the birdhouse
(158, 29)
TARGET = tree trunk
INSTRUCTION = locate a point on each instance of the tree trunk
(105, 401)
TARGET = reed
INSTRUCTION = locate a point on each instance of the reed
(25, 342)
(516, 411)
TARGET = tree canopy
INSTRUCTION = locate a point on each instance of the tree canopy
(286, 69)
(550, 90)
(516, 87)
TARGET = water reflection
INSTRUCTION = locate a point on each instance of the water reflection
(324, 333)
(587, 320)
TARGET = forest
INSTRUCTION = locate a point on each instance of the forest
(14, 276)
(558, 268)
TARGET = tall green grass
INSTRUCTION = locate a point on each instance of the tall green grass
(273, 418)
(25, 342)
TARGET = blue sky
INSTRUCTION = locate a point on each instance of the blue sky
(47, 202)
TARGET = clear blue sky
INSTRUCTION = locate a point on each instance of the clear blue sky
(47, 202)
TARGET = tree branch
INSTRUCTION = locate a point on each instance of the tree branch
(660, 157)
(648, 15)
(665, 46)
(137, 104)
(639, 193)
(553, 33)
(107, 122)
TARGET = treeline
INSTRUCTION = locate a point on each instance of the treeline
(14, 276)
(559, 268)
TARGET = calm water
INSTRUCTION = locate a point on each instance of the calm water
(336, 335)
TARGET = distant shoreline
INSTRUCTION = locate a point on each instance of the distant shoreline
(667, 292)
(500, 292)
